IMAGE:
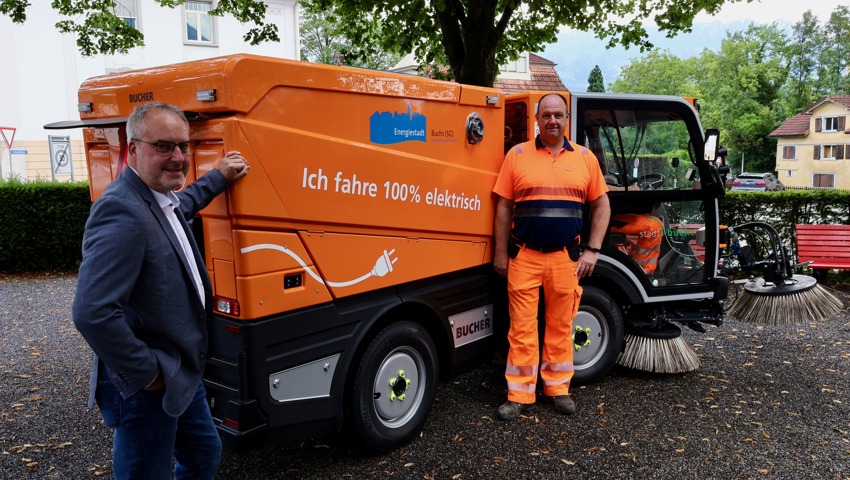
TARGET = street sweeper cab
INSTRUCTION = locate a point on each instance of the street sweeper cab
(352, 269)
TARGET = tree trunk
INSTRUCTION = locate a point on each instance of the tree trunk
(470, 41)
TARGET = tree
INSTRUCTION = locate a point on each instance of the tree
(658, 73)
(323, 42)
(803, 53)
(472, 37)
(833, 76)
(595, 82)
(742, 84)
(99, 30)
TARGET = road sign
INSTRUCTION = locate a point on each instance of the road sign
(60, 154)
(8, 134)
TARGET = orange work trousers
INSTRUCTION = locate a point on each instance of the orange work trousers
(646, 229)
(561, 291)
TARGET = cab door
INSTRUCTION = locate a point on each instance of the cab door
(648, 149)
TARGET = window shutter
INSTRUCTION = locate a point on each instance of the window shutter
(841, 123)
(839, 152)
(816, 154)
(788, 152)
(818, 124)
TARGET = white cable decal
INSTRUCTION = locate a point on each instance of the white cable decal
(383, 265)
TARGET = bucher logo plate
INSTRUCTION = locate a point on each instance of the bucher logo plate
(472, 325)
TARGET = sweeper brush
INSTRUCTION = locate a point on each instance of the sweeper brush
(778, 297)
(796, 300)
(658, 350)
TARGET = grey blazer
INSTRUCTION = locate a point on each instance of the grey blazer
(136, 304)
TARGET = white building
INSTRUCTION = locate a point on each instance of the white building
(41, 71)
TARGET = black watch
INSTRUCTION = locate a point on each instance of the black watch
(585, 246)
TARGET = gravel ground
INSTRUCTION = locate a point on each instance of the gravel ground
(767, 402)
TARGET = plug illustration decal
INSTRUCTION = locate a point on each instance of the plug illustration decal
(383, 265)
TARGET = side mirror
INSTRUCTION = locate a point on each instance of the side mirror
(712, 142)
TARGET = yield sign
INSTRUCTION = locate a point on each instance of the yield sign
(8, 134)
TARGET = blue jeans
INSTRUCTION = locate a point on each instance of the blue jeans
(145, 438)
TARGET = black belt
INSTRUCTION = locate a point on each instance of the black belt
(522, 244)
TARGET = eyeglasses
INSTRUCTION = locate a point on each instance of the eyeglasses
(165, 149)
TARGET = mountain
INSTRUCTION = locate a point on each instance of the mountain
(576, 53)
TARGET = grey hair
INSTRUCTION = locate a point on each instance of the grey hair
(136, 122)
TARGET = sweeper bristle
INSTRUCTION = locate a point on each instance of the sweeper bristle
(658, 351)
(799, 301)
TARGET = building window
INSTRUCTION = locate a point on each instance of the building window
(127, 10)
(789, 152)
(828, 152)
(519, 65)
(787, 173)
(200, 25)
(823, 180)
(829, 124)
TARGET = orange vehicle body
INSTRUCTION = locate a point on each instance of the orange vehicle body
(322, 199)
(352, 267)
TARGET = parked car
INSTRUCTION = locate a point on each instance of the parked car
(757, 181)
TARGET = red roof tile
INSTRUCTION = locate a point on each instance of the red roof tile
(797, 126)
(544, 78)
(839, 99)
(535, 59)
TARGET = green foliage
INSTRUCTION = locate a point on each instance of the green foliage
(802, 52)
(758, 80)
(783, 210)
(470, 36)
(742, 83)
(659, 73)
(834, 60)
(473, 38)
(322, 40)
(100, 31)
(43, 225)
(14, 9)
(595, 82)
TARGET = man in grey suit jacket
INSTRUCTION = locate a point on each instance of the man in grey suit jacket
(143, 300)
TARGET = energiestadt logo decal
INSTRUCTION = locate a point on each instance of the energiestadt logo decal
(387, 128)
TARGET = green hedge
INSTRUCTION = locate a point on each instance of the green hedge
(783, 210)
(43, 225)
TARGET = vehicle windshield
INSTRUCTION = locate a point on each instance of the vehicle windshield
(649, 164)
(641, 149)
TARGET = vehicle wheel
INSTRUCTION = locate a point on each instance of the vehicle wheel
(597, 336)
(394, 386)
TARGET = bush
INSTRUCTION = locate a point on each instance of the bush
(43, 225)
(785, 209)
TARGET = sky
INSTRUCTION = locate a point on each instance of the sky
(576, 53)
(765, 11)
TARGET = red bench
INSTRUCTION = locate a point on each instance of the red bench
(826, 246)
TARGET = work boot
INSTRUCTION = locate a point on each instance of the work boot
(564, 405)
(510, 410)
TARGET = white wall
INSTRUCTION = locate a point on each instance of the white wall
(41, 69)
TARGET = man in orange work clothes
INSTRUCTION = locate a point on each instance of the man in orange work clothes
(542, 188)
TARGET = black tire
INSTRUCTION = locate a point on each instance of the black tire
(400, 360)
(598, 336)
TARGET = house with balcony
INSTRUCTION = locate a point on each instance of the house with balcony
(813, 147)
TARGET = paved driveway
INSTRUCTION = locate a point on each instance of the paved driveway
(766, 403)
